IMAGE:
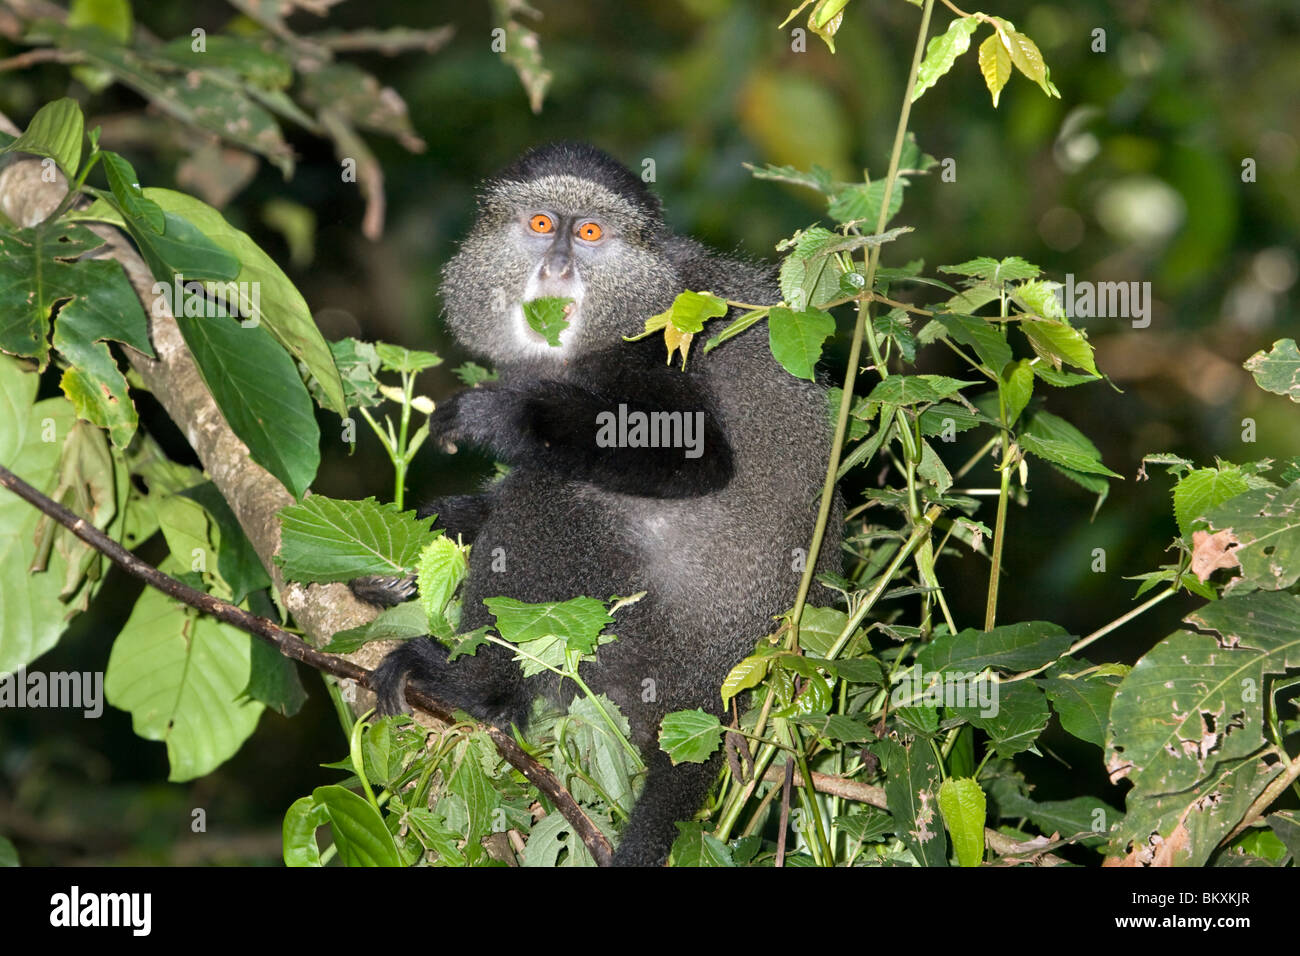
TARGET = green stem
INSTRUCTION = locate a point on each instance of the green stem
(861, 329)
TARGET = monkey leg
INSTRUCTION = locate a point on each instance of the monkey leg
(671, 794)
(488, 685)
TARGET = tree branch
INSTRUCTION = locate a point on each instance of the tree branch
(290, 645)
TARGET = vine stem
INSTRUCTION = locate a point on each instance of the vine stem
(1098, 634)
(861, 330)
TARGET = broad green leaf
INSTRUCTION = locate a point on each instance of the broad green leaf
(745, 675)
(915, 389)
(577, 621)
(689, 736)
(995, 65)
(796, 339)
(820, 627)
(1065, 454)
(181, 676)
(237, 560)
(400, 623)
(942, 52)
(273, 302)
(249, 57)
(601, 756)
(260, 393)
(963, 805)
(359, 831)
(547, 317)
(985, 337)
(1069, 818)
(471, 783)
(1019, 716)
(1010, 269)
(1277, 370)
(1194, 700)
(817, 178)
(56, 132)
(1203, 489)
(553, 843)
(324, 539)
(690, 310)
(395, 358)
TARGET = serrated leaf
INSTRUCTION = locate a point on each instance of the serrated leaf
(911, 790)
(577, 621)
(1058, 342)
(1083, 704)
(1011, 647)
(442, 566)
(915, 389)
(942, 52)
(694, 847)
(1203, 489)
(861, 202)
(1265, 524)
(324, 539)
(548, 317)
(689, 736)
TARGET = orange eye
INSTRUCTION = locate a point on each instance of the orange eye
(541, 223)
(590, 231)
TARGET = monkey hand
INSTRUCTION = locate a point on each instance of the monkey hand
(488, 416)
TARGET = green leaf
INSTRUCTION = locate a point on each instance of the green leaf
(359, 831)
(259, 391)
(248, 57)
(1011, 647)
(1204, 489)
(985, 337)
(915, 389)
(547, 317)
(1020, 716)
(859, 202)
(324, 539)
(745, 675)
(995, 65)
(818, 178)
(1265, 523)
(690, 310)
(577, 621)
(694, 847)
(400, 623)
(820, 627)
(1056, 342)
(273, 300)
(1277, 370)
(1083, 704)
(1010, 269)
(1029, 61)
(1017, 386)
(912, 791)
(941, 53)
(395, 358)
(442, 566)
(126, 190)
(963, 805)
(1193, 701)
(56, 132)
(181, 675)
(689, 736)
(301, 821)
(796, 338)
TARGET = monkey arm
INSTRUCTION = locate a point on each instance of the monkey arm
(650, 433)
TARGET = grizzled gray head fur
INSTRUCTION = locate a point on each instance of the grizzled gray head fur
(564, 220)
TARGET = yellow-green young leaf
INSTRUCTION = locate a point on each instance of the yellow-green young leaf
(1277, 371)
(942, 52)
(690, 310)
(995, 64)
(1029, 61)
(745, 675)
(442, 566)
(962, 802)
(111, 16)
(827, 11)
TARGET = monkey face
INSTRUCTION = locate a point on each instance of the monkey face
(559, 236)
